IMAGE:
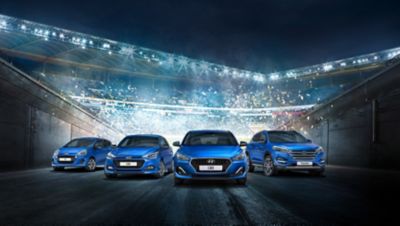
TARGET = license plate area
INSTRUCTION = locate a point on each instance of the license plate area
(210, 167)
(128, 164)
(64, 159)
(304, 163)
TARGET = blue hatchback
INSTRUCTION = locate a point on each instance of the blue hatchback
(285, 150)
(140, 154)
(210, 154)
(87, 152)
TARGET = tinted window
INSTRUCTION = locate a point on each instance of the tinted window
(79, 143)
(259, 137)
(107, 143)
(164, 143)
(139, 141)
(210, 138)
(286, 137)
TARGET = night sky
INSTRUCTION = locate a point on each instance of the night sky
(262, 36)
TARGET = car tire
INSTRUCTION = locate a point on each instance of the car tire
(111, 176)
(58, 168)
(161, 173)
(242, 181)
(91, 165)
(269, 168)
(178, 181)
(251, 167)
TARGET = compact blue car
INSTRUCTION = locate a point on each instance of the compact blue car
(210, 154)
(140, 154)
(285, 150)
(87, 152)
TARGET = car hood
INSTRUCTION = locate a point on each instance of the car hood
(210, 151)
(134, 152)
(297, 146)
(70, 151)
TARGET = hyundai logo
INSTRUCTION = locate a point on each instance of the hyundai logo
(210, 161)
(129, 157)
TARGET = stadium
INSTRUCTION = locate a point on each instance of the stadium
(140, 90)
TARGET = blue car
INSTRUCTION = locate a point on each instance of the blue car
(140, 154)
(210, 154)
(285, 150)
(87, 152)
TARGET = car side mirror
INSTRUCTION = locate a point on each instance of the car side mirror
(243, 144)
(309, 140)
(176, 144)
(114, 146)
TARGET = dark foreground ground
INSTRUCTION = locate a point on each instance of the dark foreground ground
(344, 196)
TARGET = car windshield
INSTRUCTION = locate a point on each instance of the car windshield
(286, 137)
(210, 138)
(139, 141)
(79, 143)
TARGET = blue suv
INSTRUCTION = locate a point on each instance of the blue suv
(87, 152)
(210, 154)
(140, 154)
(285, 150)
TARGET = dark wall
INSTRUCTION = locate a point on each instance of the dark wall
(362, 126)
(35, 121)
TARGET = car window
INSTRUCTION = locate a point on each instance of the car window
(139, 141)
(99, 144)
(286, 137)
(210, 138)
(76, 143)
(107, 143)
(164, 143)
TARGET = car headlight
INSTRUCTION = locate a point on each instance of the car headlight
(81, 153)
(183, 157)
(56, 152)
(152, 155)
(110, 155)
(319, 150)
(281, 149)
(240, 156)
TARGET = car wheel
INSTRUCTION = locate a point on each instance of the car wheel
(111, 176)
(269, 167)
(242, 181)
(91, 165)
(178, 181)
(251, 167)
(162, 170)
(58, 168)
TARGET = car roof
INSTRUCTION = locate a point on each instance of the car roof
(145, 135)
(209, 131)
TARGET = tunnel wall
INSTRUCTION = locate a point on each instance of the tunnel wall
(361, 127)
(35, 121)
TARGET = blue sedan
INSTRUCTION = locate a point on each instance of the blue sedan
(87, 152)
(140, 154)
(210, 154)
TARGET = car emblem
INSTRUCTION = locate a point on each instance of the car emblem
(210, 161)
(129, 157)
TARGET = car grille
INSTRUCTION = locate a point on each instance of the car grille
(65, 156)
(211, 161)
(139, 164)
(303, 155)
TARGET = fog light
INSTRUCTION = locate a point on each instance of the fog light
(281, 160)
(180, 171)
(110, 167)
(150, 168)
(239, 171)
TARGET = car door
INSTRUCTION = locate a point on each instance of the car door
(252, 148)
(166, 151)
(261, 146)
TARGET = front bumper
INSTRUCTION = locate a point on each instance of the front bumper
(283, 161)
(185, 170)
(149, 166)
(78, 162)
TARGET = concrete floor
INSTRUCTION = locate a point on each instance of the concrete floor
(344, 196)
